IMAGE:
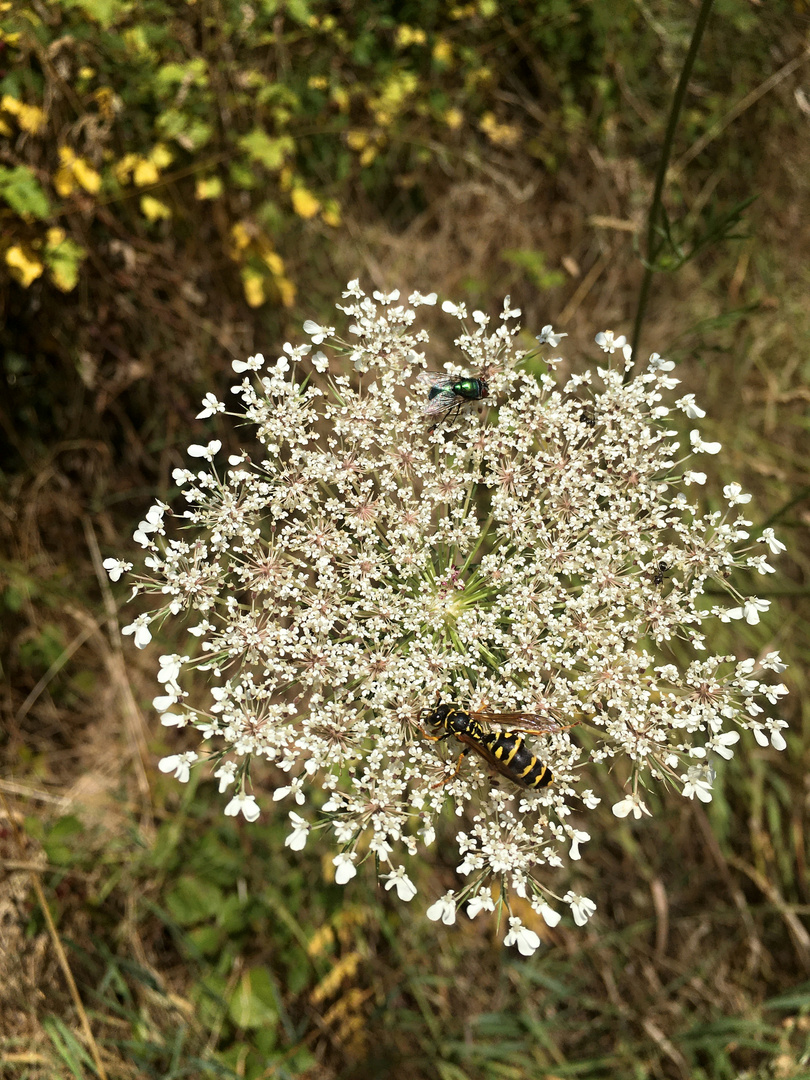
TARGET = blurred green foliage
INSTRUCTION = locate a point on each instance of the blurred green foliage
(136, 118)
(259, 968)
(166, 164)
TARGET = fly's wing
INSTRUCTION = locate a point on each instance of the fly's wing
(442, 398)
(442, 403)
(440, 379)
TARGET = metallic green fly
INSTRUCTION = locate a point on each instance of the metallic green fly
(449, 393)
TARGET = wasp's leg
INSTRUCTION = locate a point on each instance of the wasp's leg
(436, 738)
(454, 774)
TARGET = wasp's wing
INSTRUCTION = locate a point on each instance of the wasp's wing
(520, 721)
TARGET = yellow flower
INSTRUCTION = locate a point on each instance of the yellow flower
(330, 215)
(24, 268)
(240, 237)
(442, 52)
(145, 172)
(124, 167)
(87, 176)
(340, 96)
(74, 170)
(63, 182)
(304, 203)
(29, 117)
(107, 100)
(286, 291)
(357, 140)
(154, 209)
(500, 134)
(274, 262)
(409, 35)
(161, 155)
(253, 285)
(208, 187)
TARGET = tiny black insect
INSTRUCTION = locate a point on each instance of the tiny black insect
(660, 573)
(588, 416)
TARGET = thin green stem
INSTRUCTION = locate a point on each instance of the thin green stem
(482, 535)
(653, 241)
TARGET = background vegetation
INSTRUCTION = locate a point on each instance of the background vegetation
(182, 183)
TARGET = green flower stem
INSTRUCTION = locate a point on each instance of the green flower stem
(653, 245)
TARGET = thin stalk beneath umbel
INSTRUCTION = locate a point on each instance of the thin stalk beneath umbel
(653, 240)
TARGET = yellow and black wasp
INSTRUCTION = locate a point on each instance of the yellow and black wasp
(449, 393)
(506, 752)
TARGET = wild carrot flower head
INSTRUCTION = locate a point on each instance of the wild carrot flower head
(535, 549)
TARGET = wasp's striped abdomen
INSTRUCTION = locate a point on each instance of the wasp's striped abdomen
(519, 763)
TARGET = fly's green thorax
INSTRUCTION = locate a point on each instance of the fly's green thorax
(469, 389)
(473, 389)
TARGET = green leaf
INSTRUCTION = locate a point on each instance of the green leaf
(68, 1047)
(194, 900)
(270, 217)
(207, 940)
(190, 132)
(63, 260)
(242, 176)
(23, 193)
(208, 996)
(57, 843)
(270, 152)
(104, 12)
(448, 1071)
(299, 10)
(44, 649)
(533, 263)
(66, 826)
(253, 1002)
(234, 915)
(169, 76)
(35, 828)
